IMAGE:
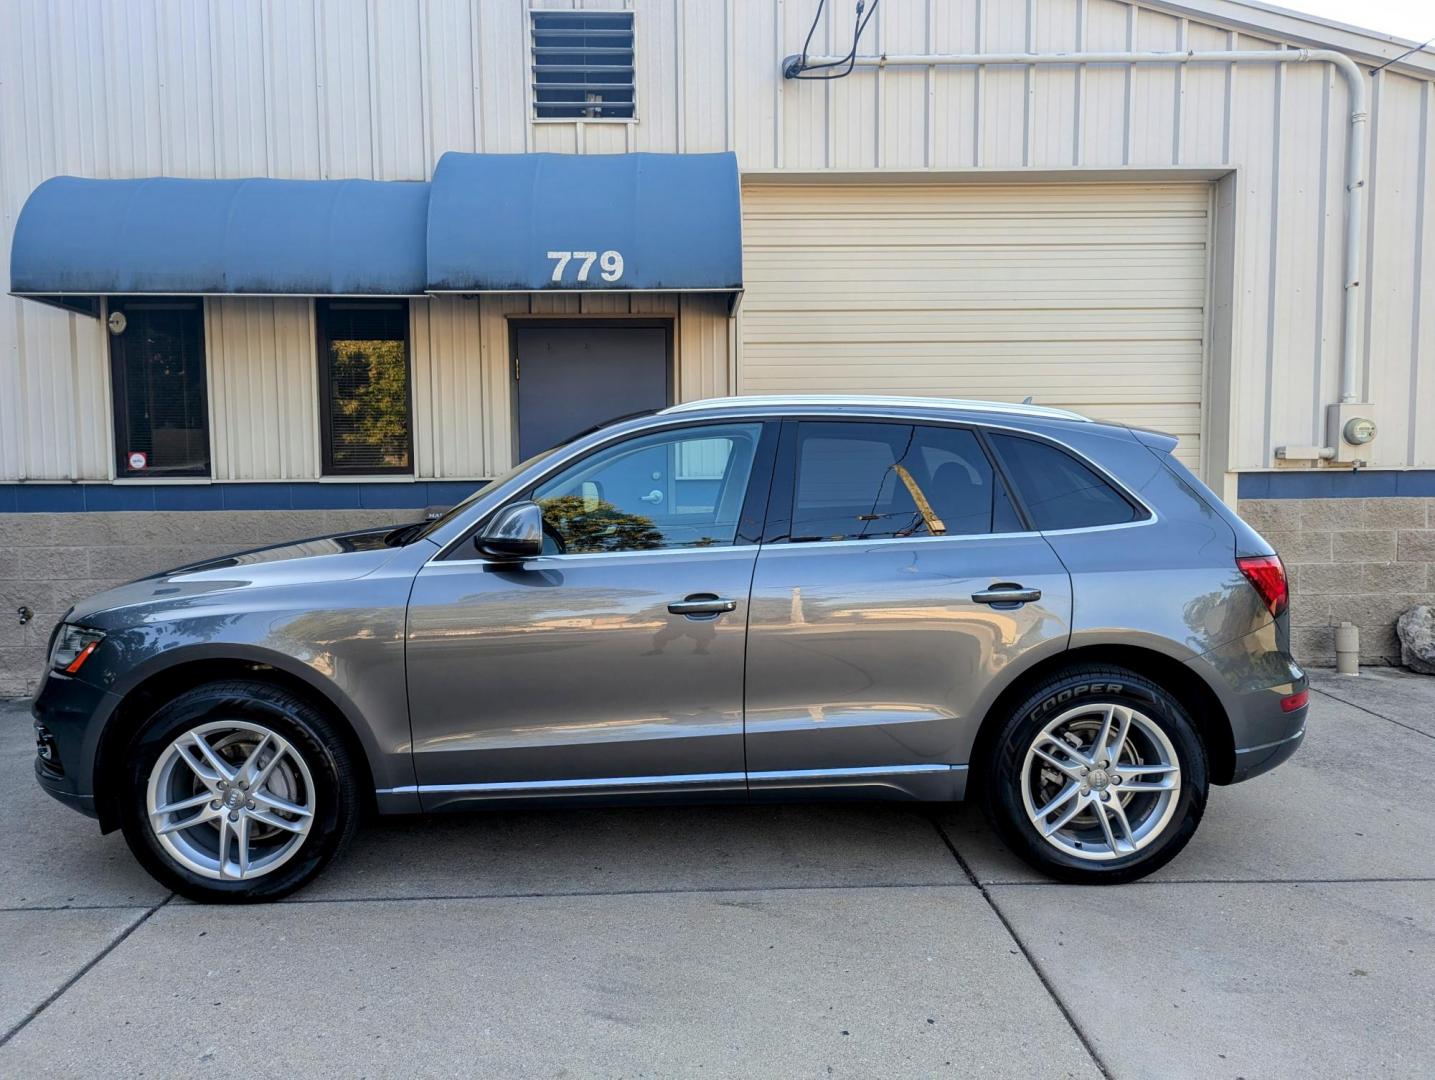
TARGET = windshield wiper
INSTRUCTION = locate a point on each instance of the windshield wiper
(403, 534)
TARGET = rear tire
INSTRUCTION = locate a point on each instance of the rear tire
(1098, 777)
(237, 792)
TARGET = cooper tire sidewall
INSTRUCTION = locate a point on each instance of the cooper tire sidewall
(1107, 688)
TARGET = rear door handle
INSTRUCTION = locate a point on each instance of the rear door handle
(702, 604)
(1006, 593)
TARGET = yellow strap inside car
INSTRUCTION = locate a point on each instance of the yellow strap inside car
(934, 523)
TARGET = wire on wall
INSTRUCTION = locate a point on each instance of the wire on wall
(797, 67)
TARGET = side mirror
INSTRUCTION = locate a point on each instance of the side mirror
(515, 532)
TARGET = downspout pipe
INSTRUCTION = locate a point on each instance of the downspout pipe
(1350, 361)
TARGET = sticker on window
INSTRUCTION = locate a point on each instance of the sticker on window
(138, 459)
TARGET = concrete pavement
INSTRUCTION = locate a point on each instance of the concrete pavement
(1295, 936)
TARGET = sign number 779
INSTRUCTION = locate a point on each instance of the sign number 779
(610, 264)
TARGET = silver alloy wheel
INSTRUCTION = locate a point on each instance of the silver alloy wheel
(1100, 782)
(230, 800)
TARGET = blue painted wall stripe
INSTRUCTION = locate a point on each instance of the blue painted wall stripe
(79, 498)
(1333, 484)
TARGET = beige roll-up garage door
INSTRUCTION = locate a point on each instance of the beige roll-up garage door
(1086, 296)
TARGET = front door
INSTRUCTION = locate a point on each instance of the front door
(872, 633)
(614, 662)
(571, 378)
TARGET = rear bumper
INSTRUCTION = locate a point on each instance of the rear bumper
(1252, 676)
(1254, 760)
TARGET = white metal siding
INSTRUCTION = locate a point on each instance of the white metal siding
(1085, 296)
(331, 88)
(263, 388)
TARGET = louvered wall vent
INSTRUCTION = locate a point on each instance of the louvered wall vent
(583, 65)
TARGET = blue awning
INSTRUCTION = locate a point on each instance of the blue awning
(486, 223)
(505, 222)
(83, 238)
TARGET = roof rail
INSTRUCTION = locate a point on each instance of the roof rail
(875, 401)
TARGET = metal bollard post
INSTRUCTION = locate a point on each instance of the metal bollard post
(1347, 649)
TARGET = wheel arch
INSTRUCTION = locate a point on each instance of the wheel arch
(1200, 701)
(153, 686)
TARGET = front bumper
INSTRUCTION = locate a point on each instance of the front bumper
(69, 715)
(56, 787)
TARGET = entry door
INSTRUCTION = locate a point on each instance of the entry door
(614, 663)
(572, 378)
(869, 643)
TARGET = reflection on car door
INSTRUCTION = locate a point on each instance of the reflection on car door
(613, 663)
(877, 615)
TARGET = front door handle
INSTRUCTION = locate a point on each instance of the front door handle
(702, 604)
(1006, 594)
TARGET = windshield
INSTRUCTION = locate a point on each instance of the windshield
(428, 527)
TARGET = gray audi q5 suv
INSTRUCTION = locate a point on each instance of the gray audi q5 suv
(744, 599)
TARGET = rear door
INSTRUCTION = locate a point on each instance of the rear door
(877, 611)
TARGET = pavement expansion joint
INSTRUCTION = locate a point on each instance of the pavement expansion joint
(85, 970)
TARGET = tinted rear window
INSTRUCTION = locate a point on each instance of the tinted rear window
(1059, 491)
(868, 481)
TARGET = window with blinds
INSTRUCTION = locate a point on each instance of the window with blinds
(364, 377)
(160, 400)
(583, 65)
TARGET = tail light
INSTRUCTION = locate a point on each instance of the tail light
(1268, 577)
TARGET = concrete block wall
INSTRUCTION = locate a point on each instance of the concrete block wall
(48, 561)
(1359, 560)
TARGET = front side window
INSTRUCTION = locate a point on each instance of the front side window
(871, 481)
(672, 489)
(160, 399)
(1058, 491)
(364, 387)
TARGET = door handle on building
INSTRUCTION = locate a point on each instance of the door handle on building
(700, 604)
(1006, 594)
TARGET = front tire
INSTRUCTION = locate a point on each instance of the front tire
(238, 791)
(1098, 777)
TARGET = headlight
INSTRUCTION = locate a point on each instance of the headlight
(73, 646)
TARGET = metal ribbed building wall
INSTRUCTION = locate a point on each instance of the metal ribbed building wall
(333, 88)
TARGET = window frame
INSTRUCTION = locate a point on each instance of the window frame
(117, 364)
(751, 519)
(1142, 512)
(778, 527)
(532, 73)
(326, 438)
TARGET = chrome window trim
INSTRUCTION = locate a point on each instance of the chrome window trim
(569, 556)
(1154, 517)
(681, 416)
(669, 780)
(805, 545)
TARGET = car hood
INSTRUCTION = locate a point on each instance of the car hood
(341, 557)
